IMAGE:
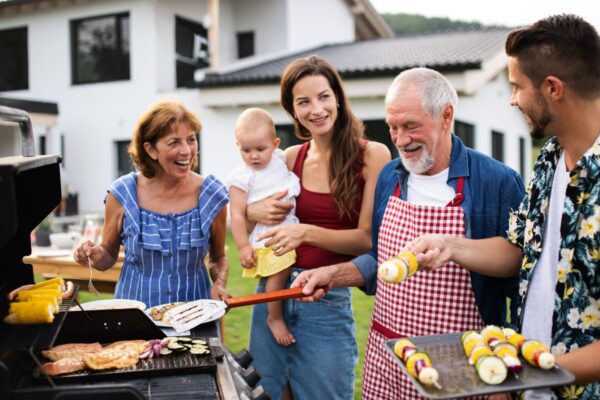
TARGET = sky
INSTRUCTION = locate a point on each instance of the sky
(503, 12)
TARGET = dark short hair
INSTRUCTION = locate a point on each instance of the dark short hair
(564, 46)
(158, 121)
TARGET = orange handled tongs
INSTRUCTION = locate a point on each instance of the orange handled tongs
(194, 313)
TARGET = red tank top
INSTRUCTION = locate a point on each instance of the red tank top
(318, 209)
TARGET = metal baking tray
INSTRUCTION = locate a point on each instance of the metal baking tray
(459, 379)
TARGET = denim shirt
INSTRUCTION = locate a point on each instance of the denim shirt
(491, 190)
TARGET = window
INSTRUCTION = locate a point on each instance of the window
(287, 135)
(498, 146)
(379, 131)
(100, 49)
(42, 145)
(522, 155)
(245, 44)
(191, 47)
(466, 133)
(124, 163)
(14, 68)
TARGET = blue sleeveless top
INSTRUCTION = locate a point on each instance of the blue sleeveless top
(164, 253)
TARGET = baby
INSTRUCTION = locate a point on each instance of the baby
(265, 173)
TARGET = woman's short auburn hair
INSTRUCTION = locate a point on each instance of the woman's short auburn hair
(158, 121)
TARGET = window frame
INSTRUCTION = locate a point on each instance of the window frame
(184, 63)
(124, 73)
(248, 39)
(498, 145)
(22, 58)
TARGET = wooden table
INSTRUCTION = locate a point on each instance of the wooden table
(65, 266)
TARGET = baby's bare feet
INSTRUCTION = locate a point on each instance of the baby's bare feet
(280, 331)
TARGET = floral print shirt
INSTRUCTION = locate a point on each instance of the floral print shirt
(576, 320)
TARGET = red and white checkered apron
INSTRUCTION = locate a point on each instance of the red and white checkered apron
(427, 303)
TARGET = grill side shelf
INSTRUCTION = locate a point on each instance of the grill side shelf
(23, 337)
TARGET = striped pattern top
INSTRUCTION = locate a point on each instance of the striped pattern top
(164, 253)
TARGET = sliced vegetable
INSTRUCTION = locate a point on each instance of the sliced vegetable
(491, 370)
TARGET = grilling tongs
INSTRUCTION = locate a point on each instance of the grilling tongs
(194, 313)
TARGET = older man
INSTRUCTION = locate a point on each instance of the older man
(436, 186)
(554, 238)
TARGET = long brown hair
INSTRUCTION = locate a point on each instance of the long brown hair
(346, 160)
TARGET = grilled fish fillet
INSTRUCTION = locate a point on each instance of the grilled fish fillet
(70, 350)
(139, 346)
(111, 358)
(64, 366)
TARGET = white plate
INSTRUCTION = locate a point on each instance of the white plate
(165, 323)
(110, 304)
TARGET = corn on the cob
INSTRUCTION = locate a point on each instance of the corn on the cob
(58, 281)
(40, 297)
(30, 312)
(53, 291)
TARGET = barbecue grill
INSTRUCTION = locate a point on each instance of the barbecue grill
(30, 190)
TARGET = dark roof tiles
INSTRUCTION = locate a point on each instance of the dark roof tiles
(445, 51)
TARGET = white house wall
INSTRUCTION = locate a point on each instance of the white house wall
(310, 23)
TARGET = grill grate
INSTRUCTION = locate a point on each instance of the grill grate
(164, 365)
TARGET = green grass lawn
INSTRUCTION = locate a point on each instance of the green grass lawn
(237, 321)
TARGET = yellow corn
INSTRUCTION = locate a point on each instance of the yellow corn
(40, 297)
(49, 291)
(31, 312)
(58, 281)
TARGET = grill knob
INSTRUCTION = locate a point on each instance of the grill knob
(243, 358)
(250, 376)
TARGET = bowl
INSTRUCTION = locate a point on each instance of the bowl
(64, 240)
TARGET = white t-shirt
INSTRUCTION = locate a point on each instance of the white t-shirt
(539, 303)
(430, 190)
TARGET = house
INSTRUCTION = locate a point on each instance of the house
(103, 62)
(474, 61)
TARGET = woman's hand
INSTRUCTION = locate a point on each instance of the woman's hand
(270, 211)
(88, 252)
(247, 257)
(284, 238)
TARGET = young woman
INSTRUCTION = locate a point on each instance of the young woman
(338, 170)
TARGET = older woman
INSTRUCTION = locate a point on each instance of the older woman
(167, 217)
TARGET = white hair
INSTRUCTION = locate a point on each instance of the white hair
(436, 91)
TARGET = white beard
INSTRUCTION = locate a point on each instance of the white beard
(421, 165)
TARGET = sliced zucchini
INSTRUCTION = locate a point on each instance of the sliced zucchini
(165, 351)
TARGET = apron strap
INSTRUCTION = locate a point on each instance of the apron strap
(456, 201)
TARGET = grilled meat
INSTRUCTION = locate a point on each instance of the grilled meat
(111, 358)
(70, 350)
(64, 366)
